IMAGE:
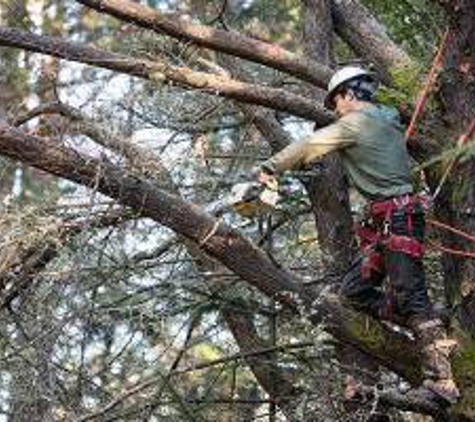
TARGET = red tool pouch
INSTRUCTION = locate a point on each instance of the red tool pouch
(404, 244)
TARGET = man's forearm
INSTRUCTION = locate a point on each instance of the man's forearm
(296, 155)
(287, 159)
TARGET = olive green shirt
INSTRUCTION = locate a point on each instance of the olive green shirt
(372, 148)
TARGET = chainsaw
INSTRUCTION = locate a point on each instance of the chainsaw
(251, 199)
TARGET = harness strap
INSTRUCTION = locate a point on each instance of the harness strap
(384, 216)
(405, 244)
(372, 262)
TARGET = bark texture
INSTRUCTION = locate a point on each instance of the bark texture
(216, 39)
(457, 95)
(327, 190)
(369, 38)
(161, 72)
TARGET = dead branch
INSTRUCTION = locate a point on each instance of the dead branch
(230, 42)
(161, 72)
(32, 258)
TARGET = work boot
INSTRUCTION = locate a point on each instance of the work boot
(436, 349)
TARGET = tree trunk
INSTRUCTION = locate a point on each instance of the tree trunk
(328, 190)
(368, 38)
(457, 201)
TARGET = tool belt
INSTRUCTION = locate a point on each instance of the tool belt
(396, 224)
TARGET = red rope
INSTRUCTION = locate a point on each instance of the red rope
(431, 80)
(451, 251)
(468, 134)
(454, 230)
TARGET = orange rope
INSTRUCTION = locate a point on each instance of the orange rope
(464, 138)
(451, 251)
(468, 134)
(431, 80)
(444, 226)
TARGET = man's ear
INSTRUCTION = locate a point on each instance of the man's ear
(350, 95)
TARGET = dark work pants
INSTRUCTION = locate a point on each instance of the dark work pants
(398, 291)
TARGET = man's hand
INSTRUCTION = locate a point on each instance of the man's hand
(268, 180)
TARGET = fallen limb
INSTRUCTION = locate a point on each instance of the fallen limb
(417, 400)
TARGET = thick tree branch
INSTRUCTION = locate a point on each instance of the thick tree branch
(318, 30)
(223, 243)
(213, 237)
(140, 159)
(215, 39)
(160, 71)
(186, 219)
(355, 24)
(328, 189)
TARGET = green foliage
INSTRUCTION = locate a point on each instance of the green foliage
(463, 364)
(407, 82)
(415, 24)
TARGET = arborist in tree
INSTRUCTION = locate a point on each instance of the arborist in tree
(370, 141)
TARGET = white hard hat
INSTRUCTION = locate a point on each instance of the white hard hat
(342, 76)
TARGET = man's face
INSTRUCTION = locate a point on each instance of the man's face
(343, 104)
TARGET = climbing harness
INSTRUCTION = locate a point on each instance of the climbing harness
(397, 225)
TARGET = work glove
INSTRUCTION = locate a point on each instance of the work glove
(266, 178)
(256, 197)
